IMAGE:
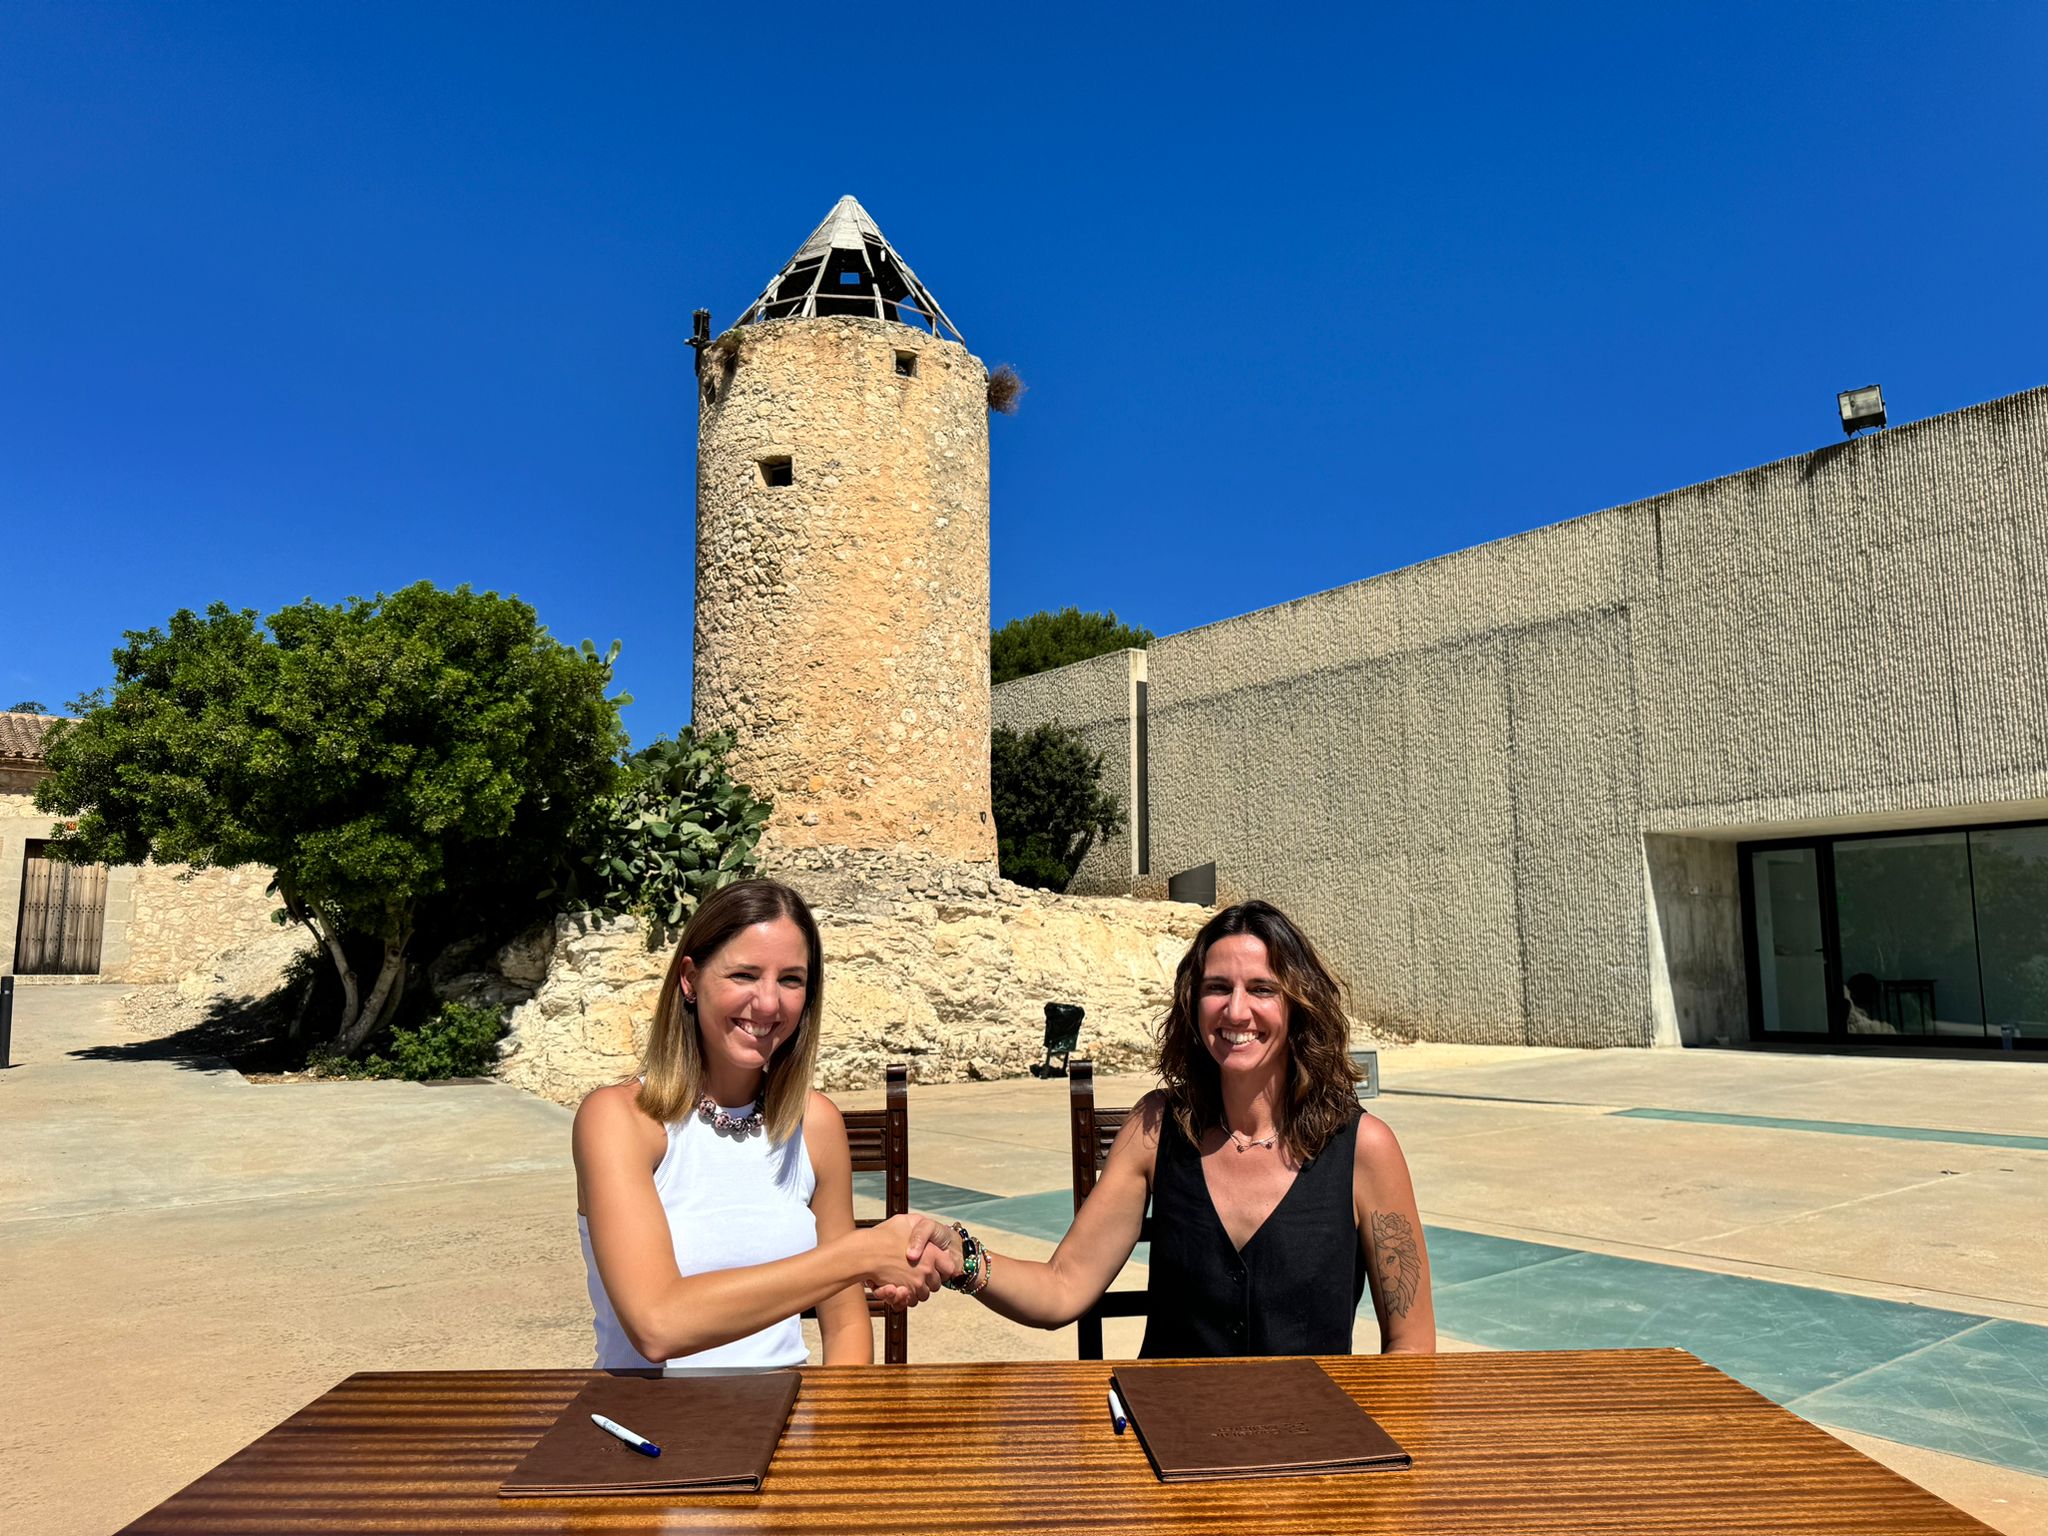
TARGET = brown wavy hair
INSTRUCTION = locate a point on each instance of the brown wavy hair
(1322, 1084)
(672, 1066)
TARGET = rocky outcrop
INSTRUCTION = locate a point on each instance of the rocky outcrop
(935, 963)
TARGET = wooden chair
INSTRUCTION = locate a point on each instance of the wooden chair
(880, 1142)
(1092, 1129)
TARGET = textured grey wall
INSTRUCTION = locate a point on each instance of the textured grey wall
(1470, 778)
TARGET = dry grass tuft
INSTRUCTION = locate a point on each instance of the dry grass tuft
(717, 363)
(1005, 389)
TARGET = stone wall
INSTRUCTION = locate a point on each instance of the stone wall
(842, 618)
(940, 966)
(174, 919)
(18, 794)
(1448, 773)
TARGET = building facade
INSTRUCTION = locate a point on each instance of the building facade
(1760, 759)
(89, 922)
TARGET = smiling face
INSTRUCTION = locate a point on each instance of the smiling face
(1244, 1012)
(749, 996)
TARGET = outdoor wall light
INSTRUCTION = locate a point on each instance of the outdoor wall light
(1861, 408)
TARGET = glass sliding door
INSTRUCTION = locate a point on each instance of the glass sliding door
(1933, 937)
(1791, 946)
(1908, 931)
(2011, 872)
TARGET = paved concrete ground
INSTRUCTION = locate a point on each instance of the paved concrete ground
(185, 1258)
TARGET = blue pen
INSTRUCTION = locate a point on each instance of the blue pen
(1117, 1416)
(640, 1443)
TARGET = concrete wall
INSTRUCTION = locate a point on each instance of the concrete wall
(1099, 699)
(842, 619)
(1503, 788)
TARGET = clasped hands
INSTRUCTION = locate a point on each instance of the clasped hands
(910, 1257)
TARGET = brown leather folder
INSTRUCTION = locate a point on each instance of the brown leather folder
(1251, 1418)
(717, 1435)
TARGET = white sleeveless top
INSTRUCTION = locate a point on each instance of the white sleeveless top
(729, 1204)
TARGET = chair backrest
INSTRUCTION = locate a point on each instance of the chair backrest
(879, 1140)
(1092, 1130)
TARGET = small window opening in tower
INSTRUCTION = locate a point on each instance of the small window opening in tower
(906, 364)
(849, 279)
(777, 469)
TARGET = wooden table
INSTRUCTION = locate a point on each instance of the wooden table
(1577, 1442)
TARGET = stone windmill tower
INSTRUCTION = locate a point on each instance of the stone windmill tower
(842, 556)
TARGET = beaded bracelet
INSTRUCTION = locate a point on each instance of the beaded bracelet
(971, 1266)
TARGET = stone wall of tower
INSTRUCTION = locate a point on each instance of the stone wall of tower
(842, 618)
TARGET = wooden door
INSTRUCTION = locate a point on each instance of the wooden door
(63, 908)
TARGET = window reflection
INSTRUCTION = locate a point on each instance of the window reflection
(1908, 936)
(2011, 865)
(1937, 935)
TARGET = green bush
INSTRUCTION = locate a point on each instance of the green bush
(681, 828)
(1043, 641)
(459, 1041)
(1049, 803)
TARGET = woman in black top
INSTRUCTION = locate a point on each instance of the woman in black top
(1275, 1201)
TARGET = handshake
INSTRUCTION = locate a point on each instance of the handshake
(909, 1257)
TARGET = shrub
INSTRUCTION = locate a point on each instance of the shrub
(459, 1041)
(1047, 640)
(1049, 803)
(682, 828)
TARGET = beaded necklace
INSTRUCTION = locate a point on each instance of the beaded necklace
(738, 1127)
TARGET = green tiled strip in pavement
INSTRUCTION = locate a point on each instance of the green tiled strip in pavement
(929, 1195)
(1953, 1382)
(1842, 1128)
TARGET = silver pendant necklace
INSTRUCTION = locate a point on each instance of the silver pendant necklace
(1246, 1143)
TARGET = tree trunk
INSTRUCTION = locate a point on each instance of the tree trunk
(383, 994)
(351, 1009)
(323, 931)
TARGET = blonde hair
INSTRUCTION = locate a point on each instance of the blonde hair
(672, 1066)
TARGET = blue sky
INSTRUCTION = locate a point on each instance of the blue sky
(314, 300)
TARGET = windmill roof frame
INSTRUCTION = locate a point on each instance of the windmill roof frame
(848, 243)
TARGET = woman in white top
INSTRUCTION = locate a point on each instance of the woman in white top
(715, 1193)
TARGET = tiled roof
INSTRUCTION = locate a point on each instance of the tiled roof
(21, 736)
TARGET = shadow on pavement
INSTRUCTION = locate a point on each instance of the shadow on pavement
(245, 1034)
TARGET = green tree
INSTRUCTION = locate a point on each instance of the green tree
(680, 828)
(1046, 790)
(1047, 640)
(388, 758)
(27, 707)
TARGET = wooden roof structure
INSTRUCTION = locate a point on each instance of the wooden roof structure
(848, 267)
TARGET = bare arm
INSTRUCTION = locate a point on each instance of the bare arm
(1390, 1231)
(1105, 1230)
(666, 1314)
(848, 1336)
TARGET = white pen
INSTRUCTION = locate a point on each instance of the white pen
(1117, 1416)
(640, 1443)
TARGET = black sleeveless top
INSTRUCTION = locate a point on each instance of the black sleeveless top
(1294, 1287)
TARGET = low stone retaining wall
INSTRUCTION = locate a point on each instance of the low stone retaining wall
(938, 964)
